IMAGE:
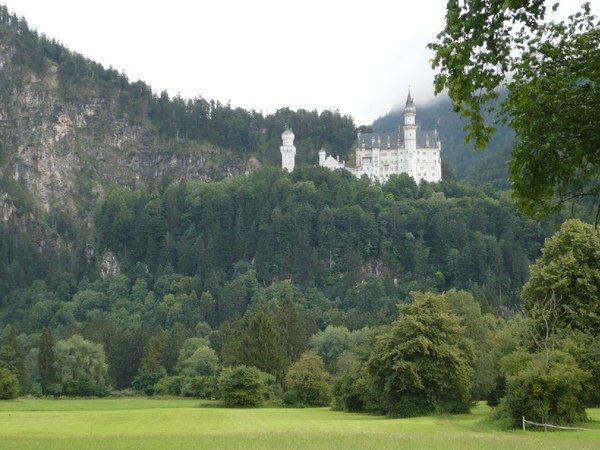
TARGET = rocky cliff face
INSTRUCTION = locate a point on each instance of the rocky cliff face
(57, 150)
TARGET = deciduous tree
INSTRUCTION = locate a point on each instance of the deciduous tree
(568, 272)
(308, 382)
(551, 73)
(422, 363)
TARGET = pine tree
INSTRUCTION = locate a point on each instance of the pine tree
(46, 359)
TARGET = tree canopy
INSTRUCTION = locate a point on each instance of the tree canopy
(551, 71)
(423, 363)
(569, 271)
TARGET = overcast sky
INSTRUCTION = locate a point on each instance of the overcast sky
(259, 54)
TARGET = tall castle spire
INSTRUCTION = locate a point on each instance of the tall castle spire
(410, 127)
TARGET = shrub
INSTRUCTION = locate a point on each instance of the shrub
(242, 386)
(169, 386)
(200, 386)
(308, 382)
(145, 380)
(544, 388)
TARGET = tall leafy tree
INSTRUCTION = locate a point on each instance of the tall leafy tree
(551, 73)
(9, 385)
(12, 355)
(81, 367)
(568, 272)
(308, 382)
(152, 366)
(423, 362)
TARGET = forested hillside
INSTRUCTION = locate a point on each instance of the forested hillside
(70, 127)
(342, 250)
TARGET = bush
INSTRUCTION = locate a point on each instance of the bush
(242, 386)
(544, 388)
(349, 392)
(123, 393)
(308, 382)
(200, 386)
(9, 385)
(145, 380)
(169, 386)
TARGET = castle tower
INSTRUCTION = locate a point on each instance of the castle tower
(410, 128)
(288, 151)
(322, 157)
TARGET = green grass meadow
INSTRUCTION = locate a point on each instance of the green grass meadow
(182, 424)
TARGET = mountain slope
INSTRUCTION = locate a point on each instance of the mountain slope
(69, 128)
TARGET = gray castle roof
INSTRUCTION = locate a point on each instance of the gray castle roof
(425, 139)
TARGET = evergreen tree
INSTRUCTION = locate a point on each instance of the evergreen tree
(46, 361)
(259, 342)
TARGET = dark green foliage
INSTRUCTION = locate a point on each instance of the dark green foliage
(146, 379)
(12, 355)
(352, 387)
(329, 230)
(307, 382)
(483, 333)
(551, 73)
(169, 385)
(258, 342)
(152, 367)
(568, 272)
(200, 386)
(46, 360)
(242, 386)
(544, 388)
(422, 363)
(9, 385)
(347, 393)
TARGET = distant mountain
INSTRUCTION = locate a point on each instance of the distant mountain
(480, 168)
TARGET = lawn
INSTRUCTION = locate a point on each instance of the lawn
(159, 423)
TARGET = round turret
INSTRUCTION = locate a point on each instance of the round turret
(287, 137)
(288, 151)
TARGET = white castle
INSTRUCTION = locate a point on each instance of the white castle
(380, 155)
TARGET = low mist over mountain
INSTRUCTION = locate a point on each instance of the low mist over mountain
(458, 159)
